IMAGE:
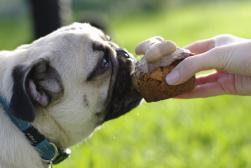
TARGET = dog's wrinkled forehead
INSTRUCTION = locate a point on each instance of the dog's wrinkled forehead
(74, 34)
(75, 42)
(84, 28)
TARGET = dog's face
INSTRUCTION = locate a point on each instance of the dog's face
(75, 76)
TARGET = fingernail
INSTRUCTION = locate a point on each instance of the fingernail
(172, 78)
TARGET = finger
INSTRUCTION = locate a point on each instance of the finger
(158, 50)
(143, 46)
(188, 67)
(204, 90)
(207, 79)
(201, 46)
(225, 39)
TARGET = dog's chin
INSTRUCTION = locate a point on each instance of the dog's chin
(122, 95)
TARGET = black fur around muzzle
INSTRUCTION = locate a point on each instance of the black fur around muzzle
(124, 97)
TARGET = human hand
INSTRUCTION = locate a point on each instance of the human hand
(229, 55)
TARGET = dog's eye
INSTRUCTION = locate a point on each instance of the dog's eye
(103, 64)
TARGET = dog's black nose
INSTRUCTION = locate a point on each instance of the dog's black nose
(125, 58)
(123, 53)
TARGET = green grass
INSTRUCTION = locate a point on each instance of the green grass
(14, 33)
(200, 133)
(185, 24)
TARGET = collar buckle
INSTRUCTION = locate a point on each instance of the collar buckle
(62, 156)
(59, 156)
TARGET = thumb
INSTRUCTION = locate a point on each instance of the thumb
(189, 66)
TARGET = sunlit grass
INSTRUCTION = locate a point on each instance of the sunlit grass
(14, 33)
(185, 24)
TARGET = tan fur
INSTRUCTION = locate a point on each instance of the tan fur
(69, 120)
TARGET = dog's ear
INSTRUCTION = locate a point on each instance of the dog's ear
(35, 85)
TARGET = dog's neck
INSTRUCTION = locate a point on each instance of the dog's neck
(13, 143)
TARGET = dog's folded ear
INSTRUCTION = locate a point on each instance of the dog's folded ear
(35, 86)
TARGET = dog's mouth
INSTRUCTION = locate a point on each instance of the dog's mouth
(122, 95)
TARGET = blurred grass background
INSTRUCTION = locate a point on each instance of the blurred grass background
(213, 132)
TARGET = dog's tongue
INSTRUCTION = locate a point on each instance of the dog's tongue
(40, 98)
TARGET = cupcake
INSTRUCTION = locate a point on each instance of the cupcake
(151, 70)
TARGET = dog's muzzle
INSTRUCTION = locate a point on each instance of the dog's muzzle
(123, 95)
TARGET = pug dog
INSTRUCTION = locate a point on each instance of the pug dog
(57, 90)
